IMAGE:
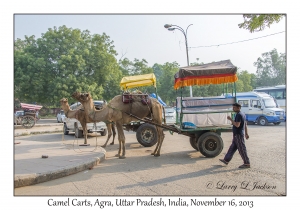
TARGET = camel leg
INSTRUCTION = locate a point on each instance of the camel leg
(84, 132)
(161, 137)
(114, 133)
(157, 144)
(157, 113)
(121, 138)
(155, 150)
(108, 125)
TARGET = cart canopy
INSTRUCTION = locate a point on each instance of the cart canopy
(210, 73)
(138, 81)
(31, 106)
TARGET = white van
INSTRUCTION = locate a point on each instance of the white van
(260, 108)
(73, 125)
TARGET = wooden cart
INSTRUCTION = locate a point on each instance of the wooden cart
(29, 118)
(203, 119)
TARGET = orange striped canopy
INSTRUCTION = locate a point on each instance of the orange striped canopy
(206, 74)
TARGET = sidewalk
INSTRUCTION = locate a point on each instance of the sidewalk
(60, 159)
(38, 129)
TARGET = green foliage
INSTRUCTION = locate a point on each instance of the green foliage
(136, 67)
(271, 69)
(244, 83)
(157, 70)
(259, 22)
(62, 61)
(166, 81)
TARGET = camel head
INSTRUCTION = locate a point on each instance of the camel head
(64, 102)
(81, 97)
(85, 97)
(76, 95)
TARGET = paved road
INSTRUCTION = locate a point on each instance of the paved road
(180, 170)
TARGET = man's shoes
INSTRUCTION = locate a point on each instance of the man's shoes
(223, 161)
(245, 166)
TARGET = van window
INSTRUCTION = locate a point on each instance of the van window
(244, 103)
(75, 106)
(278, 94)
(269, 103)
(255, 104)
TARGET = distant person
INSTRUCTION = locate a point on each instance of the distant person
(239, 130)
(37, 115)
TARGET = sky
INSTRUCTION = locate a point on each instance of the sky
(144, 36)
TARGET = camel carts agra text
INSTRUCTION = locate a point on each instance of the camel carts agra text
(29, 118)
(203, 119)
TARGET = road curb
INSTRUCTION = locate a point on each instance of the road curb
(26, 133)
(39, 125)
(31, 179)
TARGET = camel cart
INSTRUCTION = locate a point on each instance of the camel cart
(146, 133)
(203, 119)
(29, 118)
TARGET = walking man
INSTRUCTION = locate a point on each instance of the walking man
(239, 130)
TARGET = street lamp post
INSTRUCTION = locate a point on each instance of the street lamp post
(171, 27)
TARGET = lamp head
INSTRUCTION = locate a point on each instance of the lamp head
(168, 25)
(171, 29)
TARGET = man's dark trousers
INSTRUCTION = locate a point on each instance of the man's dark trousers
(238, 143)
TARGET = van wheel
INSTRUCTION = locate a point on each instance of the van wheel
(78, 133)
(262, 121)
(277, 123)
(66, 131)
(104, 132)
(210, 144)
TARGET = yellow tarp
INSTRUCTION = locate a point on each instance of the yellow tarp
(138, 81)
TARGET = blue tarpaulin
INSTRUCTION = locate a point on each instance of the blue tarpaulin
(153, 95)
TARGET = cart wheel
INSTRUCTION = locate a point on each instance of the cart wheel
(78, 133)
(19, 121)
(27, 122)
(146, 135)
(193, 143)
(210, 144)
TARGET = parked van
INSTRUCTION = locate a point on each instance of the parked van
(278, 92)
(260, 108)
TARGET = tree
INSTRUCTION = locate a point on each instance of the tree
(165, 84)
(157, 70)
(271, 69)
(136, 67)
(62, 61)
(245, 80)
(255, 23)
(196, 63)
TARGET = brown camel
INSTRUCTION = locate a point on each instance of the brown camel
(83, 119)
(115, 111)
